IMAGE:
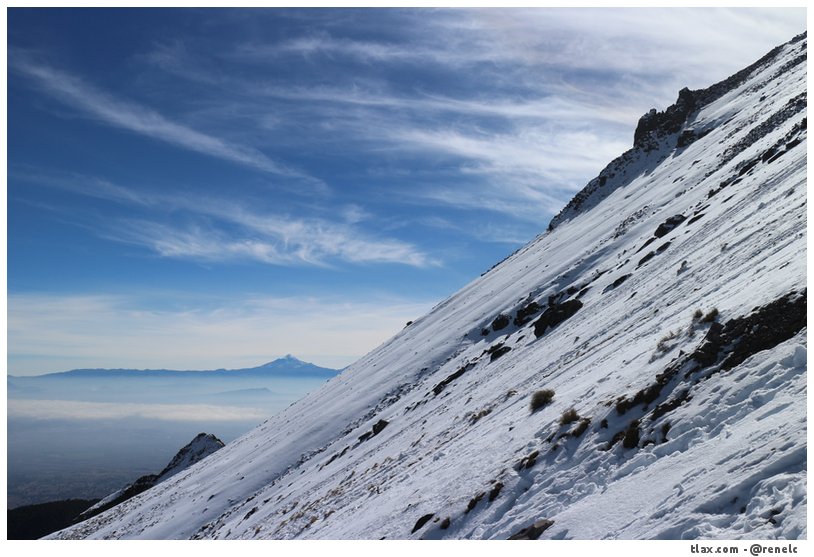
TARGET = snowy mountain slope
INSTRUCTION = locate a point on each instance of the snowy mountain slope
(203, 445)
(656, 127)
(669, 314)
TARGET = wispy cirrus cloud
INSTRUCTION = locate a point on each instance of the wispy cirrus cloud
(532, 104)
(47, 332)
(485, 116)
(113, 111)
(613, 40)
(578, 107)
(324, 44)
(220, 230)
(277, 240)
(526, 157)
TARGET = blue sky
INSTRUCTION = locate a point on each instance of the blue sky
(216, 188)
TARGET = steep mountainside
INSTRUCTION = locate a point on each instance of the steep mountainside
(659, 329)
(196, 450)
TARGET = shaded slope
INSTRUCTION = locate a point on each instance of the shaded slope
(31, 522)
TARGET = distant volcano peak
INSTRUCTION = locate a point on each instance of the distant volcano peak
(288, 359)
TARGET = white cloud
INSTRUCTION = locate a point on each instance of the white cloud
(649, 41)
(541, 100)
(324, 44)
(549, 155)
(133, 117)
(59, 332)
(81, 184)
(274, 239)
(527, 83)
(283, 241)
(524, 174)
(75, 410)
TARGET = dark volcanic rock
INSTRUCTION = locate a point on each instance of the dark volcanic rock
(688, 137)
(495, 491)
(500, 322)
(762, 329)
(555, 315)
(497, 351)
(650, 255)
(421, 522)
(619, 281)
(525, 313)
(631, 439)
(532, 532)
(654, 124)
(377, 428)
(438, 389)
(667, 226)
(474, 502)
(724, 347)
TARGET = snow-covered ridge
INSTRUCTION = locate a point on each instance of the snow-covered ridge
(668, 323)
(203, 445)
(672, 128)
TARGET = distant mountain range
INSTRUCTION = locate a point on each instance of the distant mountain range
(270, 386)
(287, 366)
(58, 419)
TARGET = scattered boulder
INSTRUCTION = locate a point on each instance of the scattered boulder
(500, 322)
(421, 522)
(525, 313)
(667, 226)
(495, 491)
(647, 243)
(497, 351)
(555, 315)
(618, 282)
(377, 428)
(474, 502)
(438, 389)
(631, 439)
(696, 218)
(527, 461)
(534, 531)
